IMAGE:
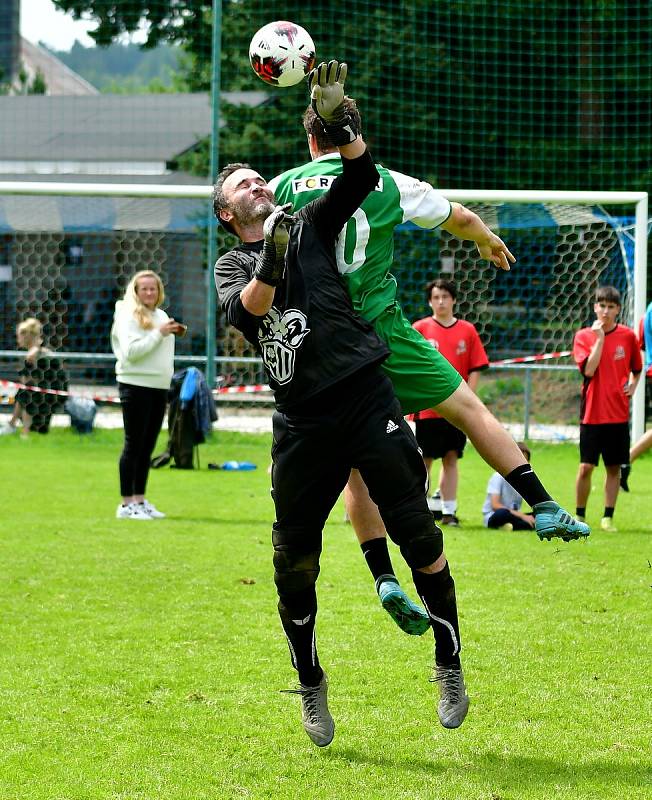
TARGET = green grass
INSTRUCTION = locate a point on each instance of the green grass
(145, 661)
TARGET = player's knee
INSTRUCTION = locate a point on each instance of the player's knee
(294, 571)
(424, 549)
(586, 470)
(414, 531)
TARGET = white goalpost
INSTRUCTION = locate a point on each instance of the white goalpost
(565, 242)
(639, 200)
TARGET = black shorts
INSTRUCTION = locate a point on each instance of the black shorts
(611, 441)
(358, 426)
(436, 437)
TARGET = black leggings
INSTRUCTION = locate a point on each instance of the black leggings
(503, 515)
(143, 410)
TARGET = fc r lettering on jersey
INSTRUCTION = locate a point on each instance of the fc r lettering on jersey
(321, 183)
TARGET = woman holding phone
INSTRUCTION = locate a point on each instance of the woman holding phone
(142, 339)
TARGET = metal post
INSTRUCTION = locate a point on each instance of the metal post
(640, 294)
(528, 401)
(211, 299)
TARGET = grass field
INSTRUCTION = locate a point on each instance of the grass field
(145, 661)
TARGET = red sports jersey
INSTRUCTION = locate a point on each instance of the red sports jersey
(641, 343)
(603, 399)
(459, 343)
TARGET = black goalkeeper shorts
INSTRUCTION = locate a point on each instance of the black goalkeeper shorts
(356, 424)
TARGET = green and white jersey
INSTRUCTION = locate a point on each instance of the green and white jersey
(365, 248)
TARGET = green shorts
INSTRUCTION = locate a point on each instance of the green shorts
(422, 377)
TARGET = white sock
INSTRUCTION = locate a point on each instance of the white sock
(449, 506)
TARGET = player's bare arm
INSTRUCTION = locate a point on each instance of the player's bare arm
(632, 383)
(464, 224)
(593, 361)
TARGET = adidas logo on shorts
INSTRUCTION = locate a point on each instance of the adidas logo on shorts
(391, 426)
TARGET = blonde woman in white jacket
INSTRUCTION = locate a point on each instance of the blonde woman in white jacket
(142, 339)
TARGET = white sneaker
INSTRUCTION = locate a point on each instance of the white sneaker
(131, 511)
(152, 510)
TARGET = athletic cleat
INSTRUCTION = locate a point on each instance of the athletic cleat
(132, 511)
(607, 524)
(552, 522)
(507, 527)
(152, 510)
(625, 469)
(316, 717)
(454, 702)
(409, 616)
(451, 520)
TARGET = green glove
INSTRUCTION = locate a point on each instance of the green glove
(276, 234)
(326, 83)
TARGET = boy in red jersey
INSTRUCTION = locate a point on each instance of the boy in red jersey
(609, 358)
(458, 341)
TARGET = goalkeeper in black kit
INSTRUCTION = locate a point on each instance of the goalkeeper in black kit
(336, 410)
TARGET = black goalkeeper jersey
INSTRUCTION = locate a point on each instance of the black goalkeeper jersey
(311, 338)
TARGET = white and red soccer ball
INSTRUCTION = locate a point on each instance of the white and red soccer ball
(282, 53)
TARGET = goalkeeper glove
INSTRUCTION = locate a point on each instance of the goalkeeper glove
(271, 267)
(326, 84)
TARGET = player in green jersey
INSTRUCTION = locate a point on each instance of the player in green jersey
(422, 378)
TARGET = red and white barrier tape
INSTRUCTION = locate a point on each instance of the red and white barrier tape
(526, 359)
(110, 399)
(261, 387)
(58, 392)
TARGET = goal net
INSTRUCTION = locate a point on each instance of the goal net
(65, 259)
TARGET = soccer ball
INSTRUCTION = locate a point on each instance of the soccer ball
(282, 53)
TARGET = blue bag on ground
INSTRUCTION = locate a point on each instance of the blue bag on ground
(82, 411)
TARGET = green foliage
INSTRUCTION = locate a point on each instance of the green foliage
(124, 68)
(39, 85)
(485, 94)
(23, 84)
(491, 391)
(145, 661)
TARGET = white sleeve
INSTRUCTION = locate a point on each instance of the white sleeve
(135, 342)
(495, 485)
(421, 204)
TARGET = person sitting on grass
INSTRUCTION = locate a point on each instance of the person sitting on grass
(502, 505)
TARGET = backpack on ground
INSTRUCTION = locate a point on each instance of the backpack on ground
(190, 416)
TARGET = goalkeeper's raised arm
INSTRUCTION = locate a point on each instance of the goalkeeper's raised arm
(326, 83)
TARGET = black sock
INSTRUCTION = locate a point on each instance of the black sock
(526, 482)
(580, 512)
(437, 593)
(609, 511)
(376, 554)
(298, 613)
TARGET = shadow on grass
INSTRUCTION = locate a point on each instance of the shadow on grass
(509, 772)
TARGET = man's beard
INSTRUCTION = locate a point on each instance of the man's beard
(248, 213)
